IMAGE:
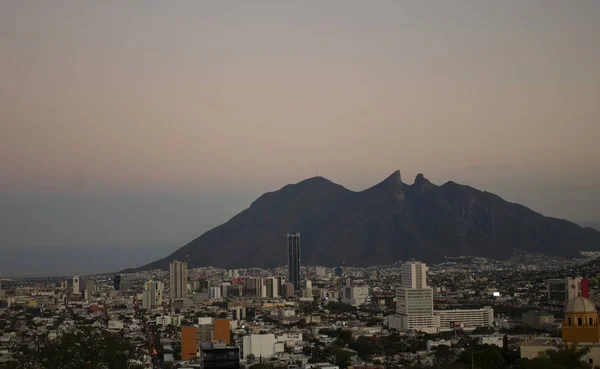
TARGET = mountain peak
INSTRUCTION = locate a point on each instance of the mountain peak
(394, 179)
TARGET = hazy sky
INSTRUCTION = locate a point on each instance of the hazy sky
(143, 123)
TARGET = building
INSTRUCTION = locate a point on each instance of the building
(467, 318)
(178, 276)
(321, 272)
(153, 295)
(217, 355)
(414, 300)
(289, 290)
(537, 318)
(117, 282)
(90, 288)
(273, 286)
(189, 343)
(355, 295)
(261, 345)
(205, 329)
(307, 291)
(169, 319)
(580, 328)
(222, 331)
(565, 289)
(76, 285)
(293, 244)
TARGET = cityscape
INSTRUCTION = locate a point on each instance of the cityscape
(405, 315)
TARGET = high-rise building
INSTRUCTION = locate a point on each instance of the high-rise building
(178, 280)
(117, 282)
(90, 288)
(564, 289)
(222, 330)
(76, 285)
(293, 243)
(189, 343)
(153, 295)
(414, 300)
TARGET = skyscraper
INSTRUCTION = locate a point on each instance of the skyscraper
(414, 300)
(189, 343)
(293, 242)
(117, 282)
(178, 280)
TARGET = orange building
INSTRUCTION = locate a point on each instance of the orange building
(189, 343)
(222, 331)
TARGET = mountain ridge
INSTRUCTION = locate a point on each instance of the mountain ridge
(387, 222)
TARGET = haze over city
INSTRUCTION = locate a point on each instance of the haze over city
(130, 128)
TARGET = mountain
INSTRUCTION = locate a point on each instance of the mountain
(388, 222)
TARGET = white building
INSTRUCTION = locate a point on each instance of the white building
(261, 345)
(169, 319)
(290, 339)
(153, 295)
(355, 295)
(414, 300)
(468, 318)
(76, 285)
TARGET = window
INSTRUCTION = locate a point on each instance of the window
(570, 321)
(591, 321)
(591, 361)
(579, 321)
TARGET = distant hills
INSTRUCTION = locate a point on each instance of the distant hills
(388, 222)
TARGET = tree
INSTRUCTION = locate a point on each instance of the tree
(250, 358)
(563, 358)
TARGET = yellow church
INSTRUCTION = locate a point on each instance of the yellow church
(580, 327)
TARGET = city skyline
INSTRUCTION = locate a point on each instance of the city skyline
(134, 128)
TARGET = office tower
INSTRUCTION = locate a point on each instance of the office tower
(564, 289)
(189, 343)
(272, 287)
(76, 285)
(222, 330)
(117, 282)
(293, 243)
(178, 280)
(153, 295)
(415, 300)
(414, 275)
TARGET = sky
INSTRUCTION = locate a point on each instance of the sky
(136, 126)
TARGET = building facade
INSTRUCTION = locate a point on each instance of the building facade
(178, 276)
(293, 244)
(468, 318)
(189, 343)
(153, 295)
(414, 299)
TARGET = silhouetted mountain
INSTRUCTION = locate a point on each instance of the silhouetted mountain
(385, 223)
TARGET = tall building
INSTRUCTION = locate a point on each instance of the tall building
(153, 295)
(222, 331)
(189, 343)
(178, 280)
(76, 285)
(117, 282)
(565, 289)
(293, 243)
(415, 300)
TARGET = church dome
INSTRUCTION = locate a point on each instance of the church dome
(580, 305)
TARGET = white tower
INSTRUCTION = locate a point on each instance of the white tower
(76, 285)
